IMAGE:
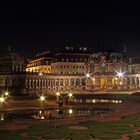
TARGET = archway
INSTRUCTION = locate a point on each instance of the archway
(103, 82)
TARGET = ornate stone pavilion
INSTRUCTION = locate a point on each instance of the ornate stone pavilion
(104, 68)
(113, 71)
(73, 71)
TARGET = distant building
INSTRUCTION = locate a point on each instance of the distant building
(11, 72)
(10, 62)
(70, 70)
(103, 68)
(40, 64)
(134, 65)
(71, 61)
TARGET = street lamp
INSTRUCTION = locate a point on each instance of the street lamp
(70, 95)
(40, 73)
(2, 99)
(88, 79)
(120, 74)
(87, 75)
(42, 98)
(6, 93)
(70, 111)
(57, 95)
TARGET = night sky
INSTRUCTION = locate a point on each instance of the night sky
(36, 26)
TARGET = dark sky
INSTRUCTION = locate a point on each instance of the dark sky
(34, 26)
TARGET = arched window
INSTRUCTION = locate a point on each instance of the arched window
(77, 82)
(92, 67)
(37, 82)
(84, 82)
(133, 81)
(61, 82)
(128, 81)
(103, 68)
(48, 82)
(57, 82)
(137, 80)
(72, 82)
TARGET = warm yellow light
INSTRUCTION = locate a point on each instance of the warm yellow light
(117, 101)
(2, 118)
(120, 73)
(42, 117)
(2, 99)
(57, 93)
(42, 98)
(40, 73)
(70, 95)
(120, 101)
(113, 101)
(70, 111)
(94, 101)
(93, 79)
(121, 83)
(6, 93)
(87, 75)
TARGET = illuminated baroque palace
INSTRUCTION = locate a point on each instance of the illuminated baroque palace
(69, 70)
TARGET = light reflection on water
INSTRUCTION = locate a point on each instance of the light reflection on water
(106, 101)
(60, 113)
(49, 114)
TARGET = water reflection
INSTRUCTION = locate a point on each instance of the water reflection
(93, 101)
(102, 101)
(1, 116)
(49, 114)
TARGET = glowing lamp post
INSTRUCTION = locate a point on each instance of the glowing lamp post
(2, 99)
(120, 74)
(88, 80)
(70, 111)
(6, 93)
(40, 74)
(42, 98)
(57, 96)
(70, 96)
(87, 75)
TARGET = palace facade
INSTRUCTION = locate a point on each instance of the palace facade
(70, 70)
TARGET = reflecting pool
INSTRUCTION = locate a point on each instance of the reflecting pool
(50, 114)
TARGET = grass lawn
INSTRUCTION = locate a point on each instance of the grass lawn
(111, 130)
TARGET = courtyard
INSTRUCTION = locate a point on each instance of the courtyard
(122, 123)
